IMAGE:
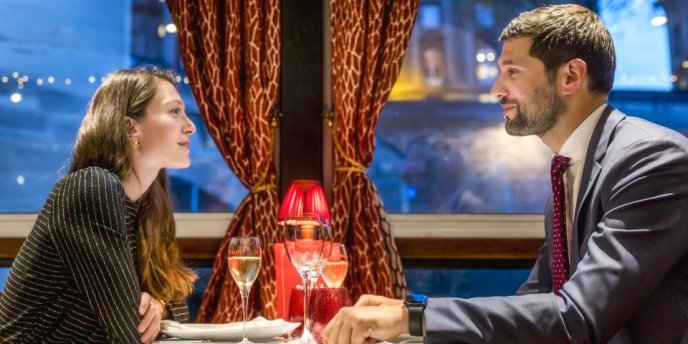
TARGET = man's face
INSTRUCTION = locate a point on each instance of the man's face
(530, 103)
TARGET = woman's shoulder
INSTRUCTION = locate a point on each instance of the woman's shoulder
(93, 173)
(89, 181)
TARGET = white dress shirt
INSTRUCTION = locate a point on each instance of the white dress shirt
(576, 148)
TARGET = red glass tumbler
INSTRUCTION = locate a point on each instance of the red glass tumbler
(325, 303)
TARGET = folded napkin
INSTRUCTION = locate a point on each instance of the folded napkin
(259, 322)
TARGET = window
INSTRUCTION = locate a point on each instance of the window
(441, 144)
(54, 56)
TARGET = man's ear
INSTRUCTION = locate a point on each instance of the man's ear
(574, 76)
(132, 127)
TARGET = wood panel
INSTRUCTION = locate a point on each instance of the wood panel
(9, 247)
(409, 248)
(468, 248)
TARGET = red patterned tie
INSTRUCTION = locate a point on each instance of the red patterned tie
(560, 266)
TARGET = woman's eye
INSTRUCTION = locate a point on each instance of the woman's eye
(176, 111)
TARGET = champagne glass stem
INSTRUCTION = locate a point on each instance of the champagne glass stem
(244, 304)
(311, 284)
(306, 327)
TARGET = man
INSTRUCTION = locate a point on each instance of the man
(614, 266)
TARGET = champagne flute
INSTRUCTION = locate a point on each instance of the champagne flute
(336, 267)
(244, 264)
(304, 237)
(327, 249)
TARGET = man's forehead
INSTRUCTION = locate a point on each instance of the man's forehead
(515, 51)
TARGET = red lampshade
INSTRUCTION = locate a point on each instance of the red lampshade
(304, 197)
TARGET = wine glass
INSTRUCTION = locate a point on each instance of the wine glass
(244, 264)
(327, 249)
(336, 267)
(304, 238)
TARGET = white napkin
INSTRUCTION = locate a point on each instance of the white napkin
(257, 322)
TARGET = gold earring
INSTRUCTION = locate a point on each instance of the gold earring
(136, 142)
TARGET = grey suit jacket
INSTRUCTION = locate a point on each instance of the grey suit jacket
(629, 263)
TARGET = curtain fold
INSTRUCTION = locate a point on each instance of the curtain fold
(369, 42)
(231, 55)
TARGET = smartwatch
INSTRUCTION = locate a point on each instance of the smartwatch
(415, 303)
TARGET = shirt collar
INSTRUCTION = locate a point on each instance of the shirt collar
(576, 146)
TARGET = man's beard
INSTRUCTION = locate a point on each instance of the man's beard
(538, 116)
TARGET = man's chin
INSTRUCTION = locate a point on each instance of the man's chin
(515, 130)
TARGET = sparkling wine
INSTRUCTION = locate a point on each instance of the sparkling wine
(334, 273)
(244, 270)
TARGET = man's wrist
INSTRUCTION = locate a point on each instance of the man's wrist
(415, 306)
(404, 319)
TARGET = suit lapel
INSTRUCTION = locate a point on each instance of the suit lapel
(597, 148)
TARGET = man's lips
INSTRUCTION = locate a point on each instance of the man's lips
(506, 107)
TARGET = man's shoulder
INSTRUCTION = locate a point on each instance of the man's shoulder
(631, 130)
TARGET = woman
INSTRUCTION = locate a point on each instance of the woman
(101, 263)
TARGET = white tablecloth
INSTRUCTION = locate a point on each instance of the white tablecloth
(404, 339)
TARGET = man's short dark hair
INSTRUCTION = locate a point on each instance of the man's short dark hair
(561, 33)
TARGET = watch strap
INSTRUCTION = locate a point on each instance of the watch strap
(415, 312)
(416, 306)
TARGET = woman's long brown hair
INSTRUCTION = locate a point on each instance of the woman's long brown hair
(102, 141)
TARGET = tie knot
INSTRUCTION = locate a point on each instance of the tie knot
(559, 164)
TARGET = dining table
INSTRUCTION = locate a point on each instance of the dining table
(258, 330)
(403, 339)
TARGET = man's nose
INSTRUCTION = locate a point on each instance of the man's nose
(497, 89)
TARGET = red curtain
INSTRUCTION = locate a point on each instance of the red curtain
(369, 41)
(231, 54)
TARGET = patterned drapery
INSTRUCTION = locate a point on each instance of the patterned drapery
(231, 54)
(369, 41)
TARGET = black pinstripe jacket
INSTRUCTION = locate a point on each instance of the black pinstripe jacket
(76, 277)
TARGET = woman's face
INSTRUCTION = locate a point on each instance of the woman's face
(164, 131)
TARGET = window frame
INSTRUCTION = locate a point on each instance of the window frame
(419, 237)
(460, 226)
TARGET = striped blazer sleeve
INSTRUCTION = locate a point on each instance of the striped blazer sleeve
(90, 236)
(179, 311)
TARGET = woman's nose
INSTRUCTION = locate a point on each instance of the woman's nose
(190, 127)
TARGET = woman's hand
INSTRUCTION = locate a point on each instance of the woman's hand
(151, 311)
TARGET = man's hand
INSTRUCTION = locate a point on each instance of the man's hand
(151, 310)
(372, 319)
(376, 300)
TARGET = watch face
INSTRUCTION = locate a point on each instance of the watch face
(417, 299)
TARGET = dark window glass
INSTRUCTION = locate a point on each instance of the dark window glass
(441, 144)
(54, 56)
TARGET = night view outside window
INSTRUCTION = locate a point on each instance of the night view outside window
(53, 57)
(441, 144)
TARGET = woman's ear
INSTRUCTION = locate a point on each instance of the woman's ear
(575, 76)
(132, 127)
